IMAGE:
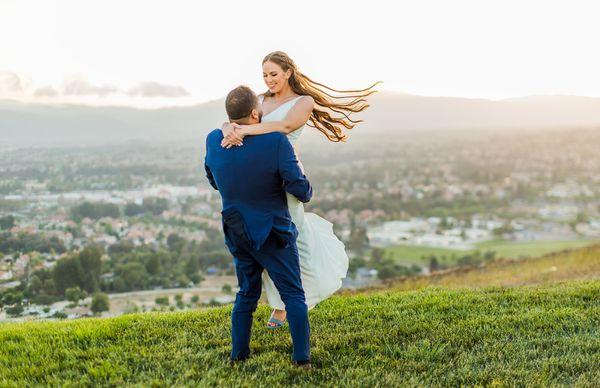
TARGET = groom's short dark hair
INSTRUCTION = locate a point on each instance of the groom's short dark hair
(240, 102)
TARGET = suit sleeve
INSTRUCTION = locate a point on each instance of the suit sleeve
(209, 174)
(294, 180)
(210, 177)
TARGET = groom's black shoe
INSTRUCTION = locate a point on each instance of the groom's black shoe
(303, 364)
(233, 361)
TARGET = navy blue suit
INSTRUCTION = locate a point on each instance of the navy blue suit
(259, 232)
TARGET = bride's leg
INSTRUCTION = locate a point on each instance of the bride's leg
(279, 315)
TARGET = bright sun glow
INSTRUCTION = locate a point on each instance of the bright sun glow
(182, 52)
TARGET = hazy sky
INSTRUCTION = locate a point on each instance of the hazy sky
(151, 53)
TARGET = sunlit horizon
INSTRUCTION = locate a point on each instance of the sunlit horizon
(151, 55)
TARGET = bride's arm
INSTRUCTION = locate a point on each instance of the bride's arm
(296, 117)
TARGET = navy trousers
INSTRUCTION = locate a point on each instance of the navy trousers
(282, 264)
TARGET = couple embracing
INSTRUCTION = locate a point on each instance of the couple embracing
(251, 161)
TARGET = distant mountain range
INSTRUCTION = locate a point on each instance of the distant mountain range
(35, 124)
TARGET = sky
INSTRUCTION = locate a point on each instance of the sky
(157, 53)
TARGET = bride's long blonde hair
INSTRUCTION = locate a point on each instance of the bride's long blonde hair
(330, 113)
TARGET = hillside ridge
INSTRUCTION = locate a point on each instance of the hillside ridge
(27, 124)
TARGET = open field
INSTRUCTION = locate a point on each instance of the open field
(412, 254)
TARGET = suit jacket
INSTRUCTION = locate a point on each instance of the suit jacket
(252, 180)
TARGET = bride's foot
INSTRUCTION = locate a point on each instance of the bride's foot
(277, 319)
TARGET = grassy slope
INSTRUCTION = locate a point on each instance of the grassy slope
(576, 264)
(412, 254)
(535, 335)
(542, 336)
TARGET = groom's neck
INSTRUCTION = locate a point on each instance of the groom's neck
(246, 121)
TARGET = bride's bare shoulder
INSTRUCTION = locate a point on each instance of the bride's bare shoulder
(308, 99)
(305, 102)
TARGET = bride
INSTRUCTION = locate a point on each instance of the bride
(292, 100)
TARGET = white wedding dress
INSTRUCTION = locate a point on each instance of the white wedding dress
(323, 258)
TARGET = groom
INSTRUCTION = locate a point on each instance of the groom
(259, 232)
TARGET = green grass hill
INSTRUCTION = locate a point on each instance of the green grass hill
(533, 326)
(570, 264)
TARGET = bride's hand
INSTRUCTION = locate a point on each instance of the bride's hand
(232, 135)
